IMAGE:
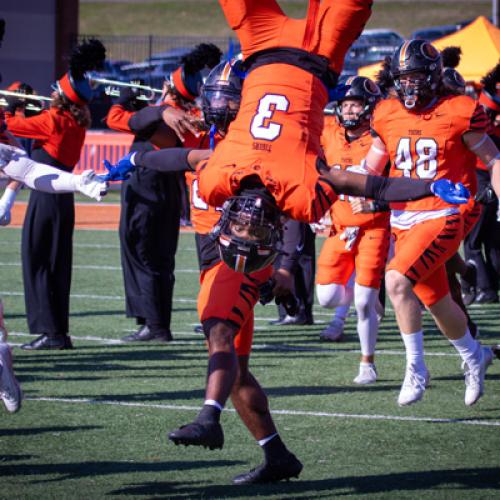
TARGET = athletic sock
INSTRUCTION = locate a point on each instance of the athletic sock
(210, 413)
(273, 447)
(414, 346)
(468, 348)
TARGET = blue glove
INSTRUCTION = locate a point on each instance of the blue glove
(449, 192)
(119, 172)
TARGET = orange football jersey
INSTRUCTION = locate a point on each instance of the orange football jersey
(275, 135)
(342, 154)
(428, 145)
(203, 216)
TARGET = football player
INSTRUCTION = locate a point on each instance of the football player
(227, 297)
(357, 242)
(427, 134)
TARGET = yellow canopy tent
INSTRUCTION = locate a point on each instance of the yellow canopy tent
(480, 44)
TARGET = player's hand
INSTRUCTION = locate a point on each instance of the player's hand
(180, 122)
(283, 282)
(349, 235)
(449, 192)
(121, 171)
(361, 206)
(91, 185)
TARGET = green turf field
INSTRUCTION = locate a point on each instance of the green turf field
(95, 419)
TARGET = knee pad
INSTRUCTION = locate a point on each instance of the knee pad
(365, 299)
(331, 295)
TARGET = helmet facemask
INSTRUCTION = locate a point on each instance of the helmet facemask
(248, 232)
(416, 68)
(360, 89)
(220, 106)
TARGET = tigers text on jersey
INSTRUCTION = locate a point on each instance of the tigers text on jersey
(428, 145)
(342, 154)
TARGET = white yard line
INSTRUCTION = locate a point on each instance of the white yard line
(300, 413)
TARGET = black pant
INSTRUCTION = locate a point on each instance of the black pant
(47, 256)
(149, 232)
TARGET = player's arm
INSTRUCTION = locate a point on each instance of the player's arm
(170, 159)
(484, 147)
(394, 189)
(162, 160)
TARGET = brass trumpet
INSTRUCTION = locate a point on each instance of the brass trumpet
(112, 88)
(21, 95)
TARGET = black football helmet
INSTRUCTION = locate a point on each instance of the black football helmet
(416, 56)
(221, 94)
(359, 88)
(259, 218)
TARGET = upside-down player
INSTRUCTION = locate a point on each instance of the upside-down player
(225, 304)
(428, 135)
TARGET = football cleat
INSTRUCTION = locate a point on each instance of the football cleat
(10, 390)
(334, 332)
(367, 374)
(209, 435)
(414, 385)
(474, 376)
(271, 472)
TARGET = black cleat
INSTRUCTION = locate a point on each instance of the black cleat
(271, 472)
(496, 350)
(209, 435)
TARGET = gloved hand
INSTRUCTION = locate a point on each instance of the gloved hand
(91, 185)
(449, 192)
(121, 171)
(7, 153)
(349, 235)
(6, 202)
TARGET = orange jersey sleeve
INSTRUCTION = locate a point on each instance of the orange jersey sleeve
(118, 118)
(427, 145)
(342, 154)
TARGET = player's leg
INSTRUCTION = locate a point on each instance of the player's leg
(250, 401)
(371, 256)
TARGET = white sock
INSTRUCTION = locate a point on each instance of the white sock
(468, 348)
(212, 402)
(365, 299)
(414, 346)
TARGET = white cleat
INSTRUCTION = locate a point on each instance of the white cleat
(413, 387)
(474, 377)
(10, 390)
(367, 374)
(334, 332)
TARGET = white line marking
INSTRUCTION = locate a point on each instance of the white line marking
(301, 413)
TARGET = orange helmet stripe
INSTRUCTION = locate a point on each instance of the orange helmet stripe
(402, 54)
